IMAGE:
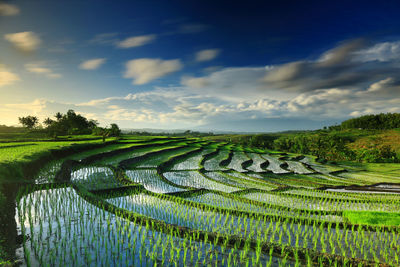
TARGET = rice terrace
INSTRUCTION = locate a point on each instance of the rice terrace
(199, 133)
(149, 201)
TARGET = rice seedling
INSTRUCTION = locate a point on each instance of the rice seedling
(274, 164)
(237, 160)
(194, 179)
(188, 210)
(152, 181)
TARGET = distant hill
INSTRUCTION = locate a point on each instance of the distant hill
(268, 125)
(151, 130)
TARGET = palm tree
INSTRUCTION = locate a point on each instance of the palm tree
(48, 122)
(58, 116)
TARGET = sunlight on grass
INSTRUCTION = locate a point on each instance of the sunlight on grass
(372, 218)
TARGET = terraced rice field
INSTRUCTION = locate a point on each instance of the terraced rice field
(186, 203)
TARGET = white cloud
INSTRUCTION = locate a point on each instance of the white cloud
(35, 107)
(92, 64)
(179, 107)
(207, 55)
(341, 67)
(105, 38)
(382, 52)
(95, 102)
(7, 77)
(285, 72)
(341, 53)
(232, 84)
(246, 93)
(8, 9)
(136, 41)
(194, 82)
(24, 41)
(145, 70)
(358, 113)
(319, 97)
(379, 86)
(42, 68)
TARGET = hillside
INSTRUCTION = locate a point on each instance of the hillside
(333, 145)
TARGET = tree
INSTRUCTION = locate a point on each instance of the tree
(70, 123)
(93, 124)
(114, 130)
(29, 121)
(48, 122)
(58, 116)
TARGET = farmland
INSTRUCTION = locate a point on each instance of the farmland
(165, 201)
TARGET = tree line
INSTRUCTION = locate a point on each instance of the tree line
(334, 143)
(69, 123)
(325, 145)
(382, 121)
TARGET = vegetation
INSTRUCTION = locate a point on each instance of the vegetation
(377, 140)
(188, 201)
(372, 217)
(187, 133)
(379, 121)
(68, 124)
(29, 121)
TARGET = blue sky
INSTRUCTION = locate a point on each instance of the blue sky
(228, 65)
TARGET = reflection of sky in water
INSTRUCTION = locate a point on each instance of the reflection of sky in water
(196, 180)
(95, 177)
(83, 235)
(151, 181)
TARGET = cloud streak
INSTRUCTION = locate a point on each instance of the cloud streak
(348, 65)
(42, 69)
(207, 55)
(24, 41)
(136, 41)
(92, 64)
(7, 77)
(8, 9)
(145, 70)
(348, 80)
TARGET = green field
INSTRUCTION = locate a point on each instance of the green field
(162, 201)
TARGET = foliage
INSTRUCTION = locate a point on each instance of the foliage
(106, 132)
(69, 123)
(10, 129)
(330, 146)
(114, 130)
(29, 121)
(187, 133)
(380, 121)
(334, 145)
(372, 217)
(186, 217)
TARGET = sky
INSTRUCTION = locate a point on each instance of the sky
(256, 66)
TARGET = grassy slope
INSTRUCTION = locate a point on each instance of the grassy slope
(362, 139)
(24, 135)
(18, 152)
(15, 154)
(378, 138)
(372, 218)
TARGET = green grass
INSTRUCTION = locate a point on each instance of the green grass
(372, 218)
(287, 209)
(17, 152)
(40, 136)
